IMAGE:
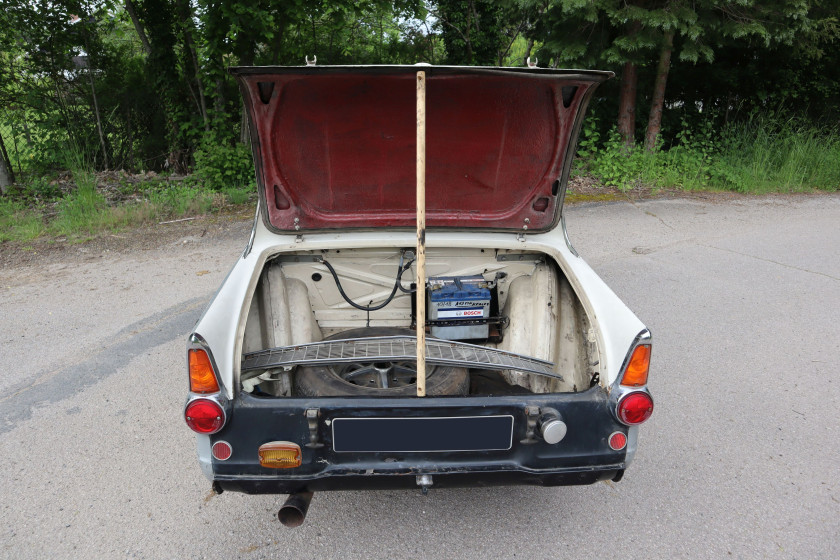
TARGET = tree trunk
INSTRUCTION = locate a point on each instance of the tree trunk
(17, 151)
(187, 21)
(98, 119)
(467, 40)
(6, 174)
(130, 141)
(219, 101)
(627, 105)
(5, 178)
(658, 101)
(278, 45)
(138, 26)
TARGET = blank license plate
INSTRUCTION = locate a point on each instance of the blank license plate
(463, 433)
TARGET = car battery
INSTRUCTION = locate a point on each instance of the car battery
(459, 299)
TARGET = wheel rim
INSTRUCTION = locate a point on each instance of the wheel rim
(381, 375)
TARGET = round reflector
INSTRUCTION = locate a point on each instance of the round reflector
(222, 450)
(204, 416)
(618, 441)
(635, 408)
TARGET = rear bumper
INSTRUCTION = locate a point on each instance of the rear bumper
(582, 457)
(391, 481)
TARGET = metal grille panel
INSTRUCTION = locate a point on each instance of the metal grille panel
(396, 349)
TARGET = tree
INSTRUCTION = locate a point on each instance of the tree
(471, 30)
(628, 35)
(658, 100)
(138, 26)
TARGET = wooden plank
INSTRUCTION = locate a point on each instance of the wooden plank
(421, 234)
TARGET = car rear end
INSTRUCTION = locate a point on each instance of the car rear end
(303, 369)
(575, 423)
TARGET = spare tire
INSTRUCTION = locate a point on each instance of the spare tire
(383, 379)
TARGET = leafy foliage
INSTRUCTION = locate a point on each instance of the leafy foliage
(154, 79)
(220, 166)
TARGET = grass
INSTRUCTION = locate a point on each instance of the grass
(39, 209)
(178, 201)
(18, 222)
(762, 155)
(82, 211)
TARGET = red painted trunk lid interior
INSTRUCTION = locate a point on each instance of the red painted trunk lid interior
(335, 146)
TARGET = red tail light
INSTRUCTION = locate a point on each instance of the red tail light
(635, 408)
(204, 416)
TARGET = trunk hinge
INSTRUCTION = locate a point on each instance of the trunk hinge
(521, 235)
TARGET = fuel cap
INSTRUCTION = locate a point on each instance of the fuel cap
(553, 431)
(552, 427)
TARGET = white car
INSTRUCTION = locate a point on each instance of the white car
(303, 368)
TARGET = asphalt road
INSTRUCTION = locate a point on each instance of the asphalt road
(738, 461)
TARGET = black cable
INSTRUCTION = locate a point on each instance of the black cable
(399, 279)
(397, 284)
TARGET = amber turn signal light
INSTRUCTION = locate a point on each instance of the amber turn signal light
(280, 455)
(637, 370)
(202, 377)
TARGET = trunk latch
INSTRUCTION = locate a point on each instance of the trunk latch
(532, 414)
(312, 419)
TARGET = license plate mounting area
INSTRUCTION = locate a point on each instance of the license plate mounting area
(423, 434)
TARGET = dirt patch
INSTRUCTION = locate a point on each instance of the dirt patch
(144, 238)
(584, 189)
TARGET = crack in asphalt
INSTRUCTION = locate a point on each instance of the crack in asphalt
(792, 267)
(649, 213)
(52, 386)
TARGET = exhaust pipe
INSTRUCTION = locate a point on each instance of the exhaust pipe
(293, 512)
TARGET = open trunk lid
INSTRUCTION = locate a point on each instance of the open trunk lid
(334, 147)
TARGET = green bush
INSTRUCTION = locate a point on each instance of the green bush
(219, 166)
(40, 188)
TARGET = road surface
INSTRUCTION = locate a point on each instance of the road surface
(738, 461)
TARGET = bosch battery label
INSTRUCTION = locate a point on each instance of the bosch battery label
(460, 312)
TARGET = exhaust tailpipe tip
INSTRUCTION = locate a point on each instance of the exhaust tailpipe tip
(293, 512)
